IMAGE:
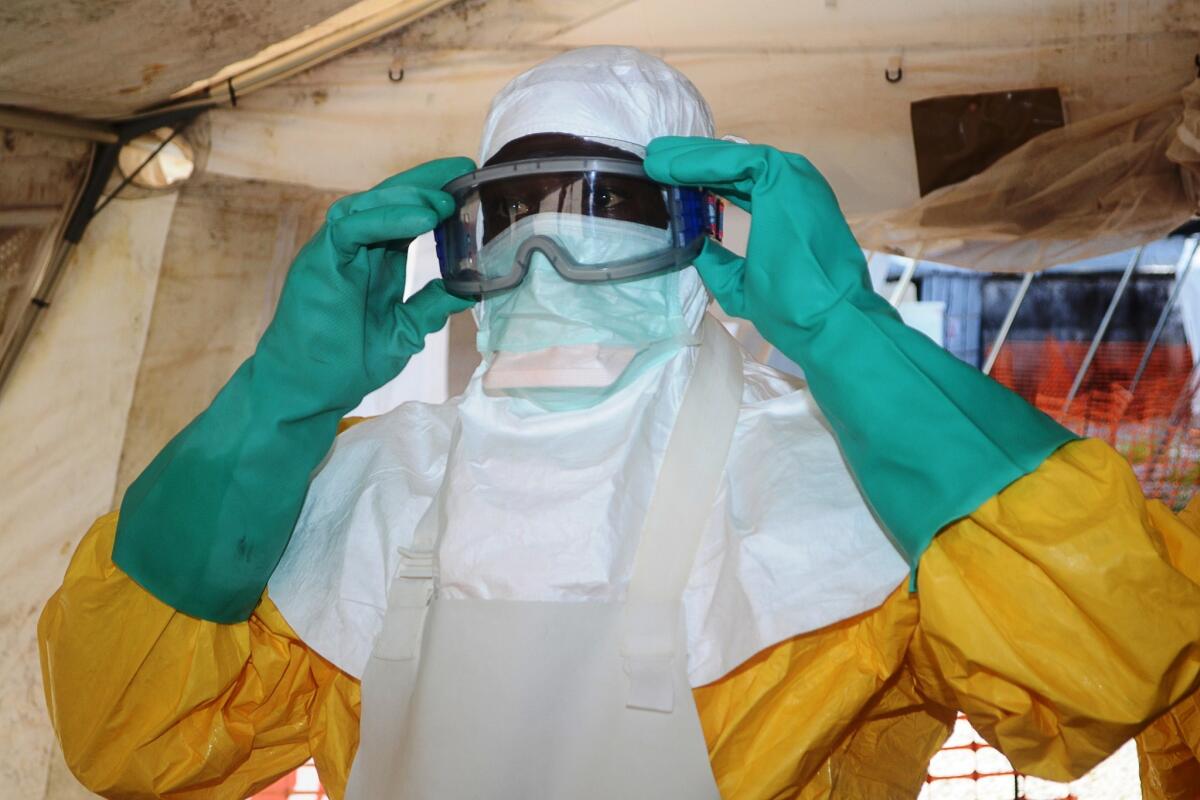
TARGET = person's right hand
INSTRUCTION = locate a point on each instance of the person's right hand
(342, 327)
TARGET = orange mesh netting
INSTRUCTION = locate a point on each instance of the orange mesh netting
(1156, 427)
(302, 784)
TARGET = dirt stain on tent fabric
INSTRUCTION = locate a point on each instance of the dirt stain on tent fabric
(149, 73)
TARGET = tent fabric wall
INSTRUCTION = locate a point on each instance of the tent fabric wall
(62, 421)
(227, 251)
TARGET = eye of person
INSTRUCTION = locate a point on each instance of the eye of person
(608, 199)
(513, 207)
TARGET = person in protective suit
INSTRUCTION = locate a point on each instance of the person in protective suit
(628, 561)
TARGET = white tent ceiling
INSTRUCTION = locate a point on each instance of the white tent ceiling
(807, 75)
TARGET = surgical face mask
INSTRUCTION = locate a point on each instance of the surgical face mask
(568, 345)
(545, 310)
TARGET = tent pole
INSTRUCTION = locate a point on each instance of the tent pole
(1103, 329)
(1009, 318)
(39, 122)
(31, 312)
(902, 285)
(1182, 268)
(306, 56)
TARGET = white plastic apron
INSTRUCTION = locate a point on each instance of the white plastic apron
(540, 700)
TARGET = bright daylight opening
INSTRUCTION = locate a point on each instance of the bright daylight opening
(173, 162)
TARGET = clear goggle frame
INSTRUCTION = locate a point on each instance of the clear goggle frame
(491, 201)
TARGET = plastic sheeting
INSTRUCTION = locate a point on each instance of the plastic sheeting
(1094, 187)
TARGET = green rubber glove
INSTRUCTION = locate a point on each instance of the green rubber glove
(204, 526)
(928, 437)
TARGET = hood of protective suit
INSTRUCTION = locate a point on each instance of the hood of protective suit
(549, 333)
(537, 506)
(603, 92)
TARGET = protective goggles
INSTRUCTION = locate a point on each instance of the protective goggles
(565, 208)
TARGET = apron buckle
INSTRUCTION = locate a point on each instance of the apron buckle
(651, 683)
(415, 563)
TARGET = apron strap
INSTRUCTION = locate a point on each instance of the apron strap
(391, 671)
(690, 477)
(410, 592)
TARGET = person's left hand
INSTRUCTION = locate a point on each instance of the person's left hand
(801, 257)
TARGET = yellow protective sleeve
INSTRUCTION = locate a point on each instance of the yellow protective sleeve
(1032, 618)
(1169, 754)
(832, 713)
(1054, 616)
(149, 702)
(1169, 750)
